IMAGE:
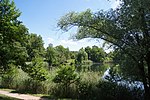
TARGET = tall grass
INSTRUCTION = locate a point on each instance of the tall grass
(90, 86)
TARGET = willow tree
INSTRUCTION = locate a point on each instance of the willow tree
(127, 28)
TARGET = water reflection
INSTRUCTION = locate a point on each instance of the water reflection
(95, 67)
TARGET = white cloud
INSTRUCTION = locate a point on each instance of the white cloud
(50, 40)
(73, 45)
(82, 41)
(75, 42)
(115, 3)
(68, 42)
(76, 45)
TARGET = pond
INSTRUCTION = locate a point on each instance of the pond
(104, 69)
(94, 67)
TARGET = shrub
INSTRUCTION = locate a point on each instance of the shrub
(34, 86)
(8, 78)
(112, 91)
(36, 69)
(66, 76)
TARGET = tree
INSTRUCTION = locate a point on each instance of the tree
(66, 76)
(63, 54)
(73, 54)
(88, 51)
(34, 46)
(50, 56)
(97, 54)
(12, 34)
(109, 56)
(81, 56)
(127, 28)
(36, 70)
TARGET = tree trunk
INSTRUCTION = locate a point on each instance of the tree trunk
(144, 79)
(148, 65)
(49, 66)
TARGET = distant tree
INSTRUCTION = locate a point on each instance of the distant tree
(67, 53)
(73, 54)
(88, 51)
(50, 56)
(35, 46)
(63, 54)
(95, 54)
(81, 56)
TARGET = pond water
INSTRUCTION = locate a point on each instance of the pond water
(104, 70)
(95, 67)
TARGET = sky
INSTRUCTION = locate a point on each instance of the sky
(41, 17)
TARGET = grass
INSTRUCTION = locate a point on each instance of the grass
(3, 97)
(23, 84)
(8, 90)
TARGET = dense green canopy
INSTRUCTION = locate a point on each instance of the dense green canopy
(12, 34)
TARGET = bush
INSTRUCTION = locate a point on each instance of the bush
(8, 78)
(87, 85)
(34, 86)
(66, 76)
(36, 69)
(20, 81)
(112, 91)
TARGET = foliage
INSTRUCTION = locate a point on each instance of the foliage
(66, 76)
(89, 87)
(95, 54)
(33, 86)
(125, 66)
(88, 51)
(20, 81)
(50, 56)
(73, 54)
(55, 56)
(109, 57)
(125, 28)
(62, 54)
(113, 91)
(35, 46)
(36, 69)
(81, 56)
(12, 34)
(9, 77)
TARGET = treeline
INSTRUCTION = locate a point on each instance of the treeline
(59, 55)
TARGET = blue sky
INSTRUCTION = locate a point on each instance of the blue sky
(41, 17)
